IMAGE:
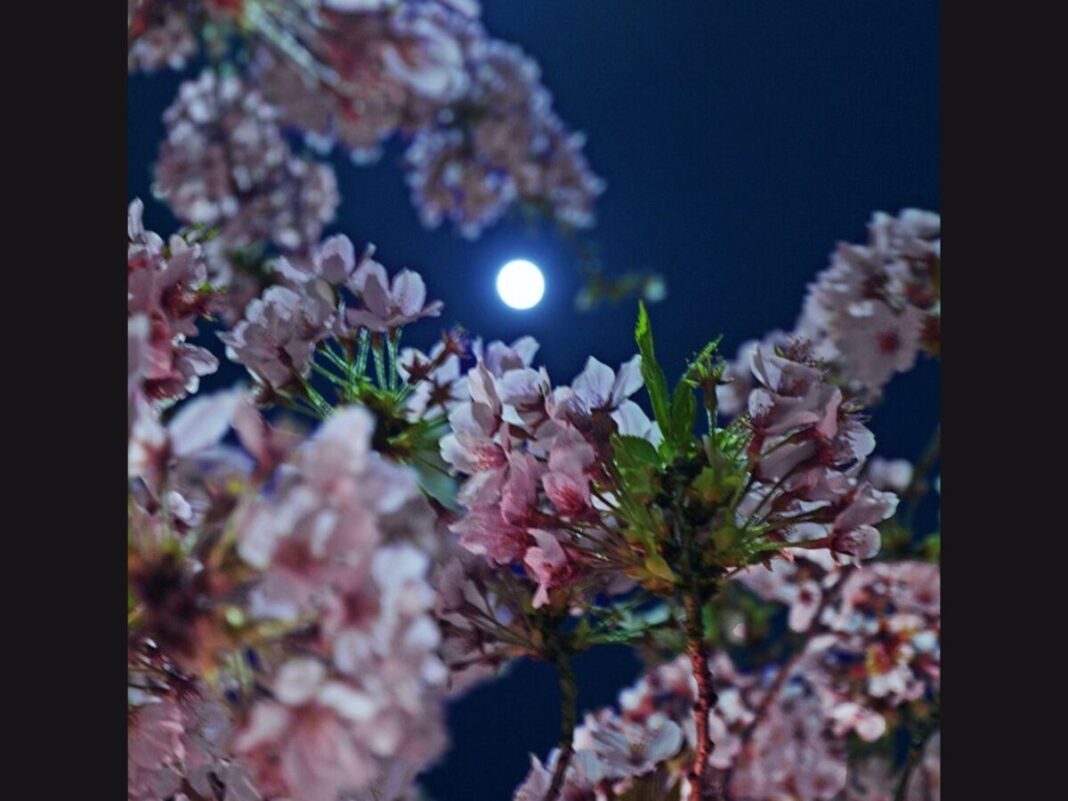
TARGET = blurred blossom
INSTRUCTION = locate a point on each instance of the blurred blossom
(165, 284)
(225, 165)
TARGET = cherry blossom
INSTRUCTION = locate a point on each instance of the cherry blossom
(165, 296)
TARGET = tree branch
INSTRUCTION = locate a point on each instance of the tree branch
(701, 789)
(568, 720)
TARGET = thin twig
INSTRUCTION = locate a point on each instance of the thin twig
(915, 756)
(704, 702)
(568, 720)
(783, 675)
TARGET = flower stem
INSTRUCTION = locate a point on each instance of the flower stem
(918, 486)
(701, 789)
(380, 363)
(784, 673)
(915, 756)
(568, 720)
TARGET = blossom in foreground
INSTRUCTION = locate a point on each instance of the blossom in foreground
(528, 453)
(181, 737)
(342, 541)
(165, 296)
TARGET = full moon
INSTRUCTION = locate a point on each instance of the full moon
(520, 284)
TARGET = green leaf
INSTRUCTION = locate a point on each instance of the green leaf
(652, 374)
(632, 453)
(656, 566)
(931, 548)
(683, 413)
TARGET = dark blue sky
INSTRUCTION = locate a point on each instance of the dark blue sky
(739, 141)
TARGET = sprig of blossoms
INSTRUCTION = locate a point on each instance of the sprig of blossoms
(331, 296)
(781, 731)
(503, 144)
(579, 489)
(166, 293)
(225, 165)
(529, 453)
(870, 313)
(482, 133)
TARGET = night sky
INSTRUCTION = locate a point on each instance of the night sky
(739, 141)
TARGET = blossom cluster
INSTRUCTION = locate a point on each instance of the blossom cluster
(503, 144)
(529, 453)
(810, 444)
(284, 638)
(482, 131)
(225, 166)
(781, 731)
(278, 335)
(369, 69)
(166, 293)
(317, 625)
(479, 127)
(301, 588)
(542, 487)
(869, 314)
(346, 540)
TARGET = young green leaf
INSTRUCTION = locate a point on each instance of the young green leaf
(632, 453)
(656, 566)
(652, 374)
(683, 412)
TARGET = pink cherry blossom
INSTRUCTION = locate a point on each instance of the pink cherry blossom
(277, 337)
(164, 299)
(630, 749)
(894, 475)
(388, 306)
(226, 165)
(198, 424)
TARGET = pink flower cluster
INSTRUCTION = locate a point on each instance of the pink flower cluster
(472, 616)
(870, 313)
(873, 647)
(485, 135)
(778, 735)
(166, 293)
(504, 144)
(528, 452)
(161, 34)
(808, 446)
(277, 338)
(225, 165)
(376, 68)
(882, 638)
(344, 543)
(181, 736)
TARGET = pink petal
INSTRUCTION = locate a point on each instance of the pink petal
(202, 422)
